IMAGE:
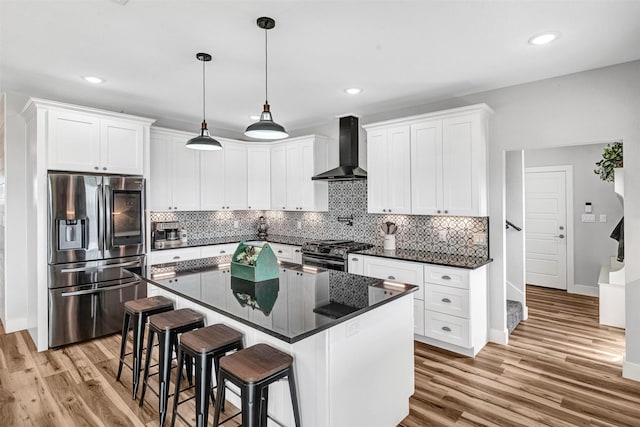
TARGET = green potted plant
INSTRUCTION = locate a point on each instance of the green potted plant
(611, 159)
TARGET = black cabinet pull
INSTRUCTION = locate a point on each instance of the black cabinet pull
(447, 300)
(445, 277)
(391, 277)
(446, 329)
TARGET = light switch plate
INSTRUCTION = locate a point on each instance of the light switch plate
(603, 218)
(299, 225)
(588, 218)
(479, 239)
(236, 224)
(442, 235)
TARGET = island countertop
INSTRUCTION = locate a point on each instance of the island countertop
(301, 302)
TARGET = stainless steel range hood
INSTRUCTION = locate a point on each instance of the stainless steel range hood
(348, 169)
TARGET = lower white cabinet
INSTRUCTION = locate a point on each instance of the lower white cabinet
(450, 308)
(289, 253)
(219, 250)
(173, 255)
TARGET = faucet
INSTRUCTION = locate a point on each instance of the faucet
(346, 219)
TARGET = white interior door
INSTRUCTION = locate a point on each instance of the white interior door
(546, 228)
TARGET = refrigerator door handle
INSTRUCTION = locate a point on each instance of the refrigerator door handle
(102, 267)
(99, 290)
(101, 219)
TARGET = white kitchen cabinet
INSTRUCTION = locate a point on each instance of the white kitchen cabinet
(389, 170)
(455, 308)
(293, 163)
(356, 264)
(396, 270)
(219, 250)
(173, 255)
(223, 177)
(286, 252)
(83, 139)
(258, 177)
(174, 180)
(444, 170)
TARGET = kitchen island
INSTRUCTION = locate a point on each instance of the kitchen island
(351, 336)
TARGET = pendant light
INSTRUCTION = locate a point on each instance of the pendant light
(266, 128)
(203, 141)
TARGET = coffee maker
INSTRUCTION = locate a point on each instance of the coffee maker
(165, 234)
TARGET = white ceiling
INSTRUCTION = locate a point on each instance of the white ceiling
(401, 53)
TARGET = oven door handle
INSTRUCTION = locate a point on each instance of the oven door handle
(102, 267)
(99, 290)
(322, 260)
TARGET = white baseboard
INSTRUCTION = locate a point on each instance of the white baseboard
(15, 325)
(591, 291)
(631, 370)
(525, 312)
(499, 336)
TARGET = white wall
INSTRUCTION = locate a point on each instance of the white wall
(597, 105)
(515, 254)
(592, 244)
(16, 271)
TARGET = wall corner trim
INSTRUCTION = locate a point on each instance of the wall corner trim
(630, 370)
(499, 336)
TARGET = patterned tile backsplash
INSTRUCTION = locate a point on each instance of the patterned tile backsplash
(446, 234)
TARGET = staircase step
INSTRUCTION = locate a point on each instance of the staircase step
(514, 314)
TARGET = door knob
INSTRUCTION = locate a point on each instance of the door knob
(560, 236)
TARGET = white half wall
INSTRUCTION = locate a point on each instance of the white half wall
(514, 202)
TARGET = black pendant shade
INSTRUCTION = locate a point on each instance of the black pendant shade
(203, 141)
(266, 128)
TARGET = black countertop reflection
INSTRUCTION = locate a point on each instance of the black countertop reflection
(437, 258)
(301, 302)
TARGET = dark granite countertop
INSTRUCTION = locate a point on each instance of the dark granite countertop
(301, 302)
(449, 260)
(208, 241)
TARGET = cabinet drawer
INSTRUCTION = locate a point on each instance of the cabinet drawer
(173, 255)
(418, 317)
(219, 250)
(443, 327)
(283, 252)
(455, 277)
(447, 300)
(399, 271)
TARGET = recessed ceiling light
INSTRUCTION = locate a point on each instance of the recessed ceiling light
(254, 117)
(93, 79)
(353, 90)
(543, 38)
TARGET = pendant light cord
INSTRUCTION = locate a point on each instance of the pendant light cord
(266, 70)
(203, 96)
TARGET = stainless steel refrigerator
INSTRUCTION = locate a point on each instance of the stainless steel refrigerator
(96, 234)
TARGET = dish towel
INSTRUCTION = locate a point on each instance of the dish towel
(618, 234)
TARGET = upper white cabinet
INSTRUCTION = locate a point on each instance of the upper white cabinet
(223, 177)
(82, 139)
(432, 164)
(174, 179)
(258, 177)
(293, 163)
(389, 170)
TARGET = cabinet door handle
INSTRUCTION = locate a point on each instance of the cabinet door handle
(223, 252)
(447, 300)
(297, 250)
(283, 207)
(175, 207)
(354, 259)
(169, 207)
(104, 168)
(389, 210)
(391, 277)
(249, 207)
(446, 329)
(96, 168)
(445, 277)
(384, 210)
(446, 211)
(279, 252)
(176, 257)
(437, 211)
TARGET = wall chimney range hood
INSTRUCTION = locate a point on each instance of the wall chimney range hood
(348, 169)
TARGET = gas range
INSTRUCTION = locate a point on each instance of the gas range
(331, 254)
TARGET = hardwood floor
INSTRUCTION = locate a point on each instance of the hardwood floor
(561, 368)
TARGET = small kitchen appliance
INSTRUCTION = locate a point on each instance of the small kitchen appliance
(330, 254)
(166, 234)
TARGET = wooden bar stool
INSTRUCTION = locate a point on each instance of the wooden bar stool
(138, 311)
(205, 346)
(167, 326)
(252, 370)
